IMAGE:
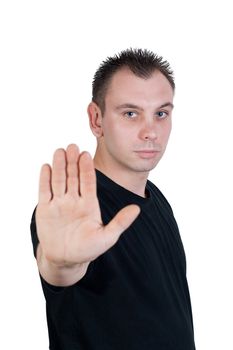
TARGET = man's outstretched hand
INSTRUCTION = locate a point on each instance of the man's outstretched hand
(68, 219)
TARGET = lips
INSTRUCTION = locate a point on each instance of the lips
(147, 153)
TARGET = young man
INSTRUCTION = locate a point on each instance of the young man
(105, 290)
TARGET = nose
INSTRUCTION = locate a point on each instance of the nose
(148, 131)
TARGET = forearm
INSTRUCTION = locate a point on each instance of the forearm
(58, 275)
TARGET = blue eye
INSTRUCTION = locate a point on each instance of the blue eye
(162, 114)
(130, 114)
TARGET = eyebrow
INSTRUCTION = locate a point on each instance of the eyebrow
(131, 105)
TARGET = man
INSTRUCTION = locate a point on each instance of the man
(105, 290)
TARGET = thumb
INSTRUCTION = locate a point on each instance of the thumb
(123, 219)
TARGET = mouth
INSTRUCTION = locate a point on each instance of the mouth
(147, 153)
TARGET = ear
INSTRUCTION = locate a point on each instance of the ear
(95, 119)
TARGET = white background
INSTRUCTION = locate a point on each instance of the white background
(49, 53)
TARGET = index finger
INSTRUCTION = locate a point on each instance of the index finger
(87, 176)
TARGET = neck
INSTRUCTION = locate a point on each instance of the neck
(133, 181)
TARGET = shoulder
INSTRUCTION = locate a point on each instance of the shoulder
(157, 195)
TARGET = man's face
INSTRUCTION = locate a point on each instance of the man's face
(137, 121)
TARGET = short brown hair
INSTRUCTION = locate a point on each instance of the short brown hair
(141, 62)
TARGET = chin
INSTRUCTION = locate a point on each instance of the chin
(144, 168)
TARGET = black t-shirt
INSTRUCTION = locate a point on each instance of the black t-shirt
(134, 296)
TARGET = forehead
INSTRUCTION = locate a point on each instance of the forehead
(125, 86)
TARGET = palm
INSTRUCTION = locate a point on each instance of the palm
(68, 216)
